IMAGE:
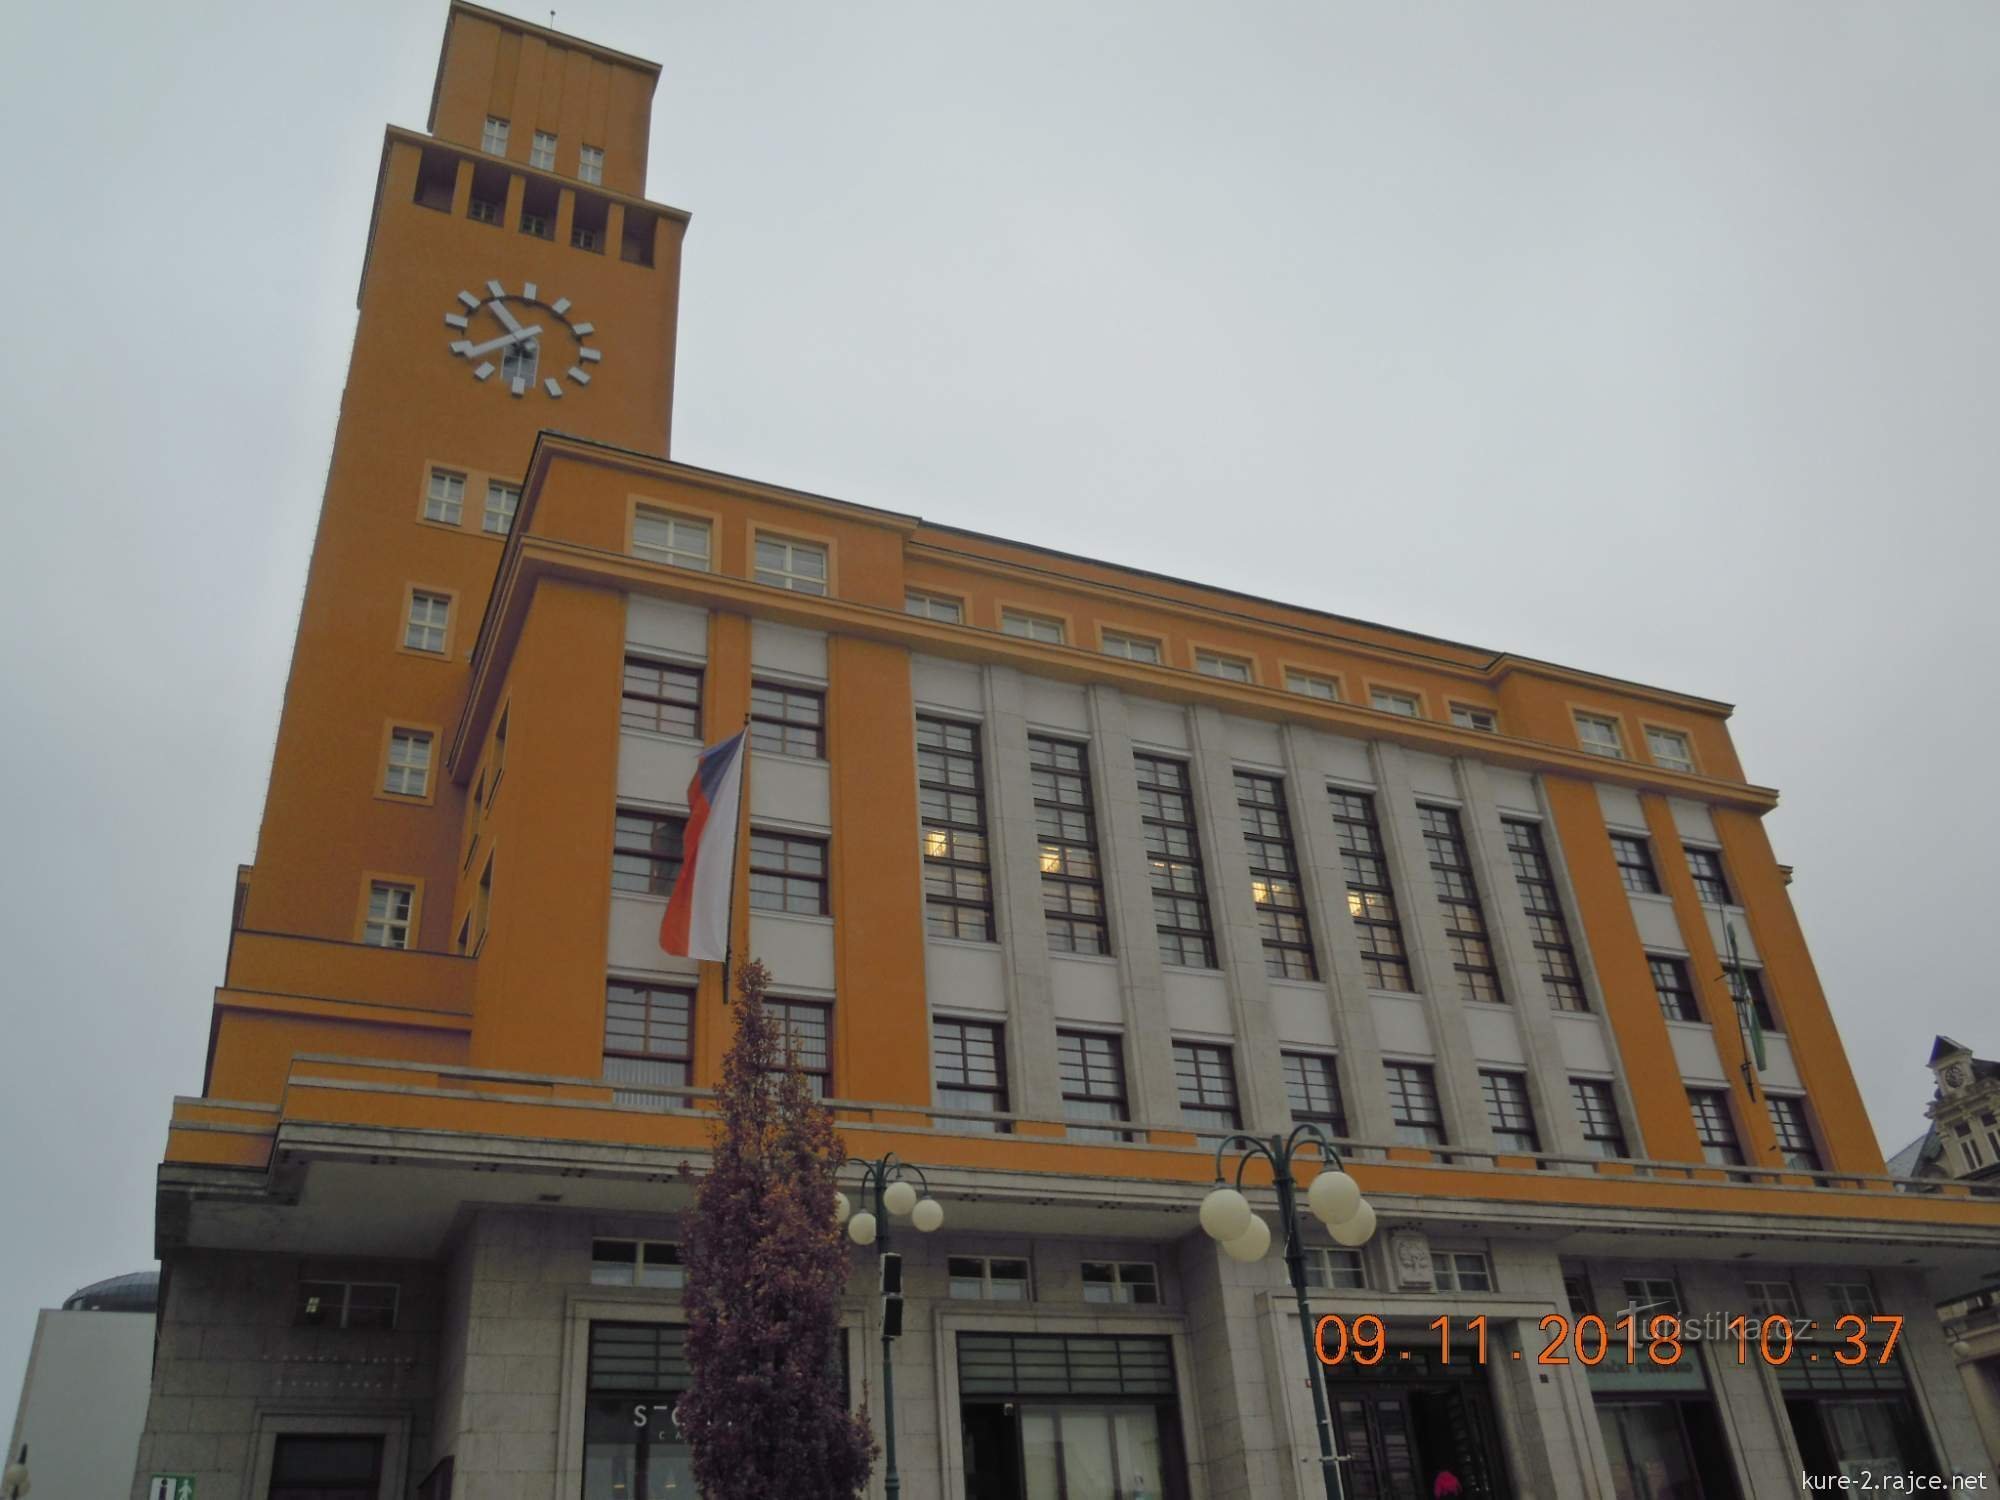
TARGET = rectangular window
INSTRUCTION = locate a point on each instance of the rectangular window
(1714, 1128)
(541, 226)
(1597, 1113)
(1599, 735)
(482, 210)
(1795, 1142)
(1646, 1297)
(1669, 749)
(1509, 1112)
(1746, 987)
(662, 697)
(787, 873)
(1413, 1104)
(1121, 1281)
(1465, 716)
(970, 1072)
(1312, 1089)
(1274, 877)
(1710, 883)
(648, 1040)
(678, 540)
(482, 905)
(958, 892)
(444, 497)
(1207, 1084)
(1371, 899)
(590, 164)
(425, 627)
(636, 1263)
(1031, 627)
(1066, 825)
(1228, 668)
(1092, 1066)
(1131, 647)
(493, 139)
(1461, 1271)
(1312, 685)
(346, 1304)
(785, 564)
(805, 1032)
(1332, 1269)
(1635, 864)
(933, 607)
(1561, 977)
(1674, 987)
(542, 151)
(409, 769)
(646, 851)
(1771, 1299)
(1852, 1297)
(1173, 854)
(389, 909)
(582, 237)
(1458, 898)
(987, 1278)
(787, 720)
(1388, 702)
(502, 500)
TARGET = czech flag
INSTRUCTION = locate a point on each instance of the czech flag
(696, 924)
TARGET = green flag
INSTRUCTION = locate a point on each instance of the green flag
(1746, 1009)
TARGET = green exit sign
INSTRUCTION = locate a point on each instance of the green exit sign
(171, 1487)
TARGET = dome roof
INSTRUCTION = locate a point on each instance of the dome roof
(137, 1291)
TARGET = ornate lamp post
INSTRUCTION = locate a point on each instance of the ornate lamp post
(1334, 1198)
(888, 1179)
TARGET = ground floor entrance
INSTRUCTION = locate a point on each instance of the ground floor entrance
(1854, 1422)
(1418, 1433)
(1662, 1434)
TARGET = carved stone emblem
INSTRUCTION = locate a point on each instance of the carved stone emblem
(1410, 1253)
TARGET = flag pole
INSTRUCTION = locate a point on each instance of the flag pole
(1750, 1030)
(739, 856)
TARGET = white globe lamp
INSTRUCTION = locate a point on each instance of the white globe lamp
(841, 1208)
(899, 1198)
(1358, 1230)
(1251, 1244)
(861, 1228)
(927, 1215)
(1225, 1213)
(1334, 1197)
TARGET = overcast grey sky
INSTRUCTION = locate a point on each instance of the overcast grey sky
(1656, 340)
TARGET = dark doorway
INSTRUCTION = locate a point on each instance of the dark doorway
(1400, 1437)
(991, 1437)
(1863, 1435)
(326, 1468)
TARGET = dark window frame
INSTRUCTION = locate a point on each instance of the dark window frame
(1555, 950)
(1793, 1130)
(1510, 1111)
(1597, 1116)
(953, 1071)
(1312, 1090)
(1371, 891)
(1673, 986)
(1633, 854)
(786, 719)
(943, 798)
(669, 709)
(1181, 918)
(1746, 986)
(1265, 815)
(1715, 1127)
(1414, 1108)
(1458, 896)
(786, 1010)
(779, 875)
(659, 1053)
(1711, 880)
(1205, 1084)
(1074, 918)
(649, 868)
(1085, 1062)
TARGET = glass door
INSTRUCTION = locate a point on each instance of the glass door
(1091, 1453)
(1648, 1450)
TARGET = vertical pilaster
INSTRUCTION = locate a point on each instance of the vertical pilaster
(1747, 1400)
(1017, 898)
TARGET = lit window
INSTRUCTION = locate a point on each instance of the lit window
(648, 1044)
(346, 1304)
(1710, 883)
(1669, 748)
(1120, 1281)
(1371, 899)
(424, 629)
(1413, 1104)
(1131, 647)
(670, 539)
(987, 1278)
(493, 139)
(636, 1263)
(1600, 736)
(933, 607)
(1508, 1111)
(1461, 1271)
(787, 874)
(409, 769)
(1635, 864)
(1598, 1116)
(787, 720)
(1714, 1128)
(502, 500)
(1467, 717)
(1228, 668)
(958, 892)
(798, 566)
(1312, 685)
(389, 908)
(1066, 828)
(590, 164)
(969, 1071)
(1031, 627)
(1395, 703)
(542, 151)
(1795, 1142)
(444, 498)
(1274, 877)
(1330, 1269)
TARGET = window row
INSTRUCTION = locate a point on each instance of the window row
(1604, 734)
(444, 502)
(1633, 854)
(649, 1041)
(665, 697)
(495, 136)
(788, 871)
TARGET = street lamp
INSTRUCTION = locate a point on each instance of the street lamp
(14, 1482)
(888, 1180)
(1334, 1198)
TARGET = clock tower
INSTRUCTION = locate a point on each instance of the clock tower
(515, 279)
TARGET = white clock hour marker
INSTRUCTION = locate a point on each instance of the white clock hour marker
(482, 371)
(590, 354)
(461, 346)
(520, 386)
(469, 300)
(453, 320)
(580, 375)
(552, 386)
(560, 307)
(528, 291)
(580, 329)
(496, 289)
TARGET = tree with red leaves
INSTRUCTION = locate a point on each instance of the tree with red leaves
(766, 1265)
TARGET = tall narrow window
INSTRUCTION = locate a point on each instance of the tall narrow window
(1597, 1114)
(1228, 668)
(679, 540)
(805, 1036)
(1746, 987)
(1599, 736)
(542, 151)
(1413, 1104)
(1509, 1112)
(786, 720)
(590, 164)
(1032, 627)
(1173, 852)
(1065, 823)
(1669, 748)
(1458, 895)
(951, 797)
(646, 851)
(1795, 1142)
(1560, 975)
(1713, 1127)
(1312, 1089)
(444, 497)
(1371, 900)
(661, 696)
(409, 770)
(970, 1072)
(1092, 1065)
(502, 500)
(424, 630)
(493, 138)
(1710, 883)
(1675, 989)
(787, 873)
(1274, 877)
(785, 564)
(389, 909)
(648, 1040)
(1635, 864)
(1207, 1083)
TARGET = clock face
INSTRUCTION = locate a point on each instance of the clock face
(1954, 1076)
(522, 343)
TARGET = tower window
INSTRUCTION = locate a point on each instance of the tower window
(1312, 685)
(1508, 1111)
(444, 497)
(589, 163)
(519, 362)
(1066, 826)
(437, 176)
(542, 151)
(488, 203)
(1206, 1077)
(493, 139)
(969, 1070)
(390, 908)
(424, 630)
(1669, 748)
(1413, 1104)
(502, 500)
(587, 221)
(409, 769)
(637, 245)
(538, 209)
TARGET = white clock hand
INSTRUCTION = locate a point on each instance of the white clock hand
(500, 312)
(519, 336)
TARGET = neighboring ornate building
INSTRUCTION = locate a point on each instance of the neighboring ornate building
(1062, 869)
